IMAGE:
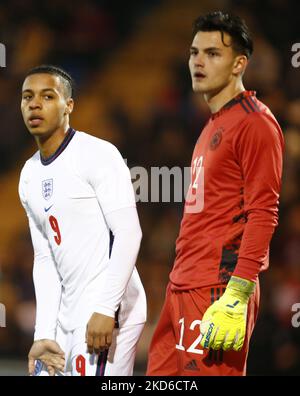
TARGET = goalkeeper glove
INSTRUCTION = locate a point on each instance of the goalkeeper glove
(224, 322)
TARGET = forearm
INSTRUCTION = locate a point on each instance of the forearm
(48, 295)
(125, 226)
(254, 249)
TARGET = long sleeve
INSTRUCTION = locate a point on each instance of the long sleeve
(46, 279)
(106, 171)
(125, 226)
(259, 151)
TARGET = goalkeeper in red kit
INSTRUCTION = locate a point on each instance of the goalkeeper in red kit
(230, 213)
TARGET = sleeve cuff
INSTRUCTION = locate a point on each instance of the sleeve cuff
(44, 335)
(104, 311)
(247, 269)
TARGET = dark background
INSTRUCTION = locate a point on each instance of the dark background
(129, 60)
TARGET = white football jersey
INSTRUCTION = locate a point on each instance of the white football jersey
(66, 198)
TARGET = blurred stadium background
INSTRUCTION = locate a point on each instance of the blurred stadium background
(133, 88)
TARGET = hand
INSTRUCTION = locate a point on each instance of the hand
(99, 332)
(50, 353)
(223, 325)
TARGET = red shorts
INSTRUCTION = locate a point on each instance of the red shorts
(175, 350)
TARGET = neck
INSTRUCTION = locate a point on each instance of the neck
(50, 143)
(218, 99)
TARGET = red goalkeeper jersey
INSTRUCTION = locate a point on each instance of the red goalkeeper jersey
(231, 208)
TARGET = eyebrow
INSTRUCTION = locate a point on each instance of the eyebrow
(206, 49)
(43, 90)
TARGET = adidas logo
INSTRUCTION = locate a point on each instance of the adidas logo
(192, 365)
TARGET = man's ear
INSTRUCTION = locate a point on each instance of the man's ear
(70, 106)
(240, 64)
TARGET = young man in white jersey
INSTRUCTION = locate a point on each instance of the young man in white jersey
(76, 189)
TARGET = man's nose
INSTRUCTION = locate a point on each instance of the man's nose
(199, 61)
(35, 103)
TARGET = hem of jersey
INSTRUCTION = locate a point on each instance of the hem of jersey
(210, 282)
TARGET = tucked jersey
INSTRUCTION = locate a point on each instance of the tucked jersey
(66, 198)
(231, 208)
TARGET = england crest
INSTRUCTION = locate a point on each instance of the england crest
(47, 188)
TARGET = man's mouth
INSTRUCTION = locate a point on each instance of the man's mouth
(35, 120)
(199, 75)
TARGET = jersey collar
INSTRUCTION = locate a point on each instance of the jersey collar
(69, 135)
(237, 99)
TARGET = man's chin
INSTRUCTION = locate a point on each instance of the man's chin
(205, 90)
(199, 88)
(37, 131)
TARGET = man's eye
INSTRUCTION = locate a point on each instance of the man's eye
(212, 54)
(48, 97)
(27, 97)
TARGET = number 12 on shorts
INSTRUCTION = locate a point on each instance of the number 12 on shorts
(193, 348)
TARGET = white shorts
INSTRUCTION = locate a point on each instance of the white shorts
(117, 361)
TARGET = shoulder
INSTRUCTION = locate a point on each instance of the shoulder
(258, 131)
(259, 114)
(29, 167)
(250, 113)
(91, 148)
(26, 173)
(93, 141)
(261, 125)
